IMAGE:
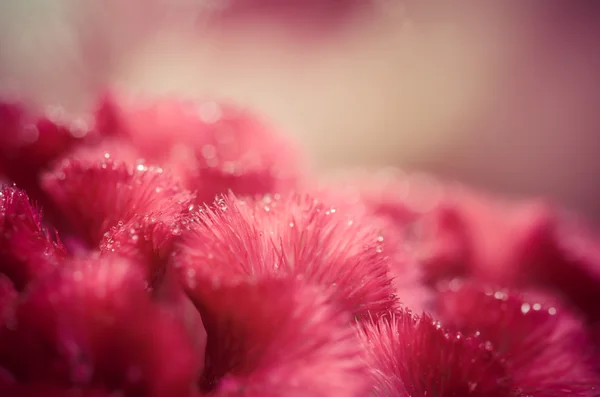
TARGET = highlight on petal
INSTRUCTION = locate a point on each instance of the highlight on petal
(274, 338)
(213, 147)
(411, 356)
(98, 195)
(294, 236)
(93, 324)
(545, 348)
(27, 249)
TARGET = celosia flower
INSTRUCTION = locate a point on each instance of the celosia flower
(411, 356)
(545, 348)
(27, 249)
(28, 143)
(214, 148)
(295, 236)
(253, 294)
(277, 338)
(450, 231)
(119, 193)
(92, 324)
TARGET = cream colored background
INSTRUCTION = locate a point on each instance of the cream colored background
(503, 97)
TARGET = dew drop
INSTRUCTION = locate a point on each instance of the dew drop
(525, 308)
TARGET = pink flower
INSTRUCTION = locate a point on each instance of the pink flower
(28, 143)
(214, 148)
(27, 249)
(545, 348)
(119, 192)
(92, 323)
(411, 356)
(295, 236)
(274, 338)
(254, 293)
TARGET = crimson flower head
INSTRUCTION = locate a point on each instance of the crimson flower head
(213, 148)
(412, 356)
(294, 236)
(28, 249)
(92, 325)
(544, 347)
(194, 261)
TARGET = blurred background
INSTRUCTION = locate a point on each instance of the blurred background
(502, 95)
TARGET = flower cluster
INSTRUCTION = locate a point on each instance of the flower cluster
(179, 249)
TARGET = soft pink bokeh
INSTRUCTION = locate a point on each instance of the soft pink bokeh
(502, 96)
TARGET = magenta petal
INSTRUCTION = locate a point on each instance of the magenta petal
(98, 195)
(274, 338)
(213, 147)
(541, 343)
(293, 236)
(93, 323)
(413, 356)
(27, 249)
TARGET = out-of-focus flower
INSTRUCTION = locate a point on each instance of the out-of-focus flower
(213, 147)
(295, 236)
(92, 323)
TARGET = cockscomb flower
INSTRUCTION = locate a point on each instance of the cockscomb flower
(29, 142)
(274, 338)
(92, 325)
(213, 148)
(28, 249)
(163, 291)
(450, 231)
(412, 356)
(98, 195)
(545, 348)
(293, 236)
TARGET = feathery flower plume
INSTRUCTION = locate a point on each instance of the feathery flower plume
(276, 337)
(92, 324)
(214, 148)
(28, 143)
(544, 347)
(27, 249)
(98, 195)
(294, 236)
(411, 356)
